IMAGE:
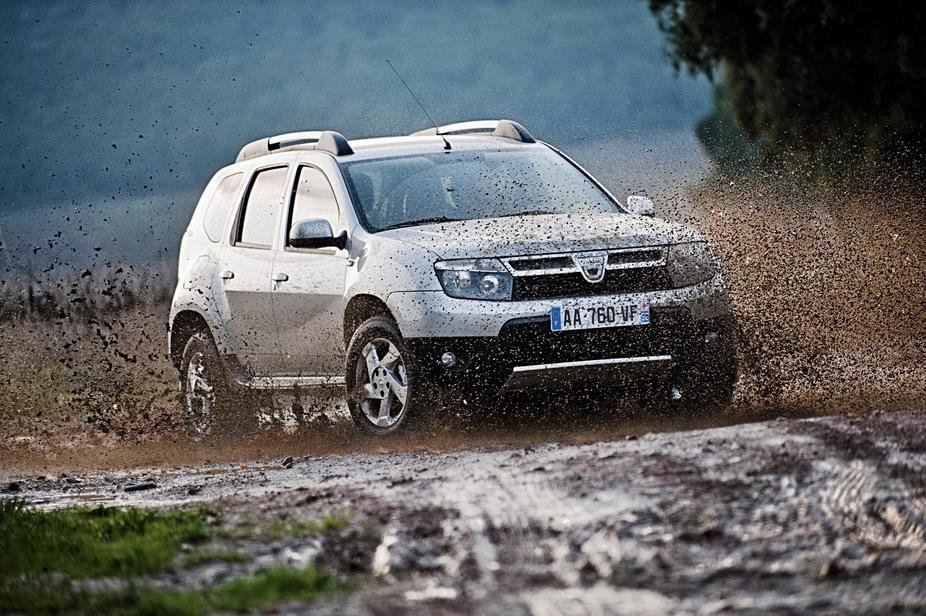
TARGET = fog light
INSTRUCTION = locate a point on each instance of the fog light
(448, 359)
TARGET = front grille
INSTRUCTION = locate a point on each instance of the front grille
(627, 270)
(630, 280)
(635, 256)
(540, 263)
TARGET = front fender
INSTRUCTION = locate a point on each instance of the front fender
(383, 267)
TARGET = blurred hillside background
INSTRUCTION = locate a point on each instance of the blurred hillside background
(113, 116)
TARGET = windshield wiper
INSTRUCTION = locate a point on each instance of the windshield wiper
(421, 221)
(527, 213)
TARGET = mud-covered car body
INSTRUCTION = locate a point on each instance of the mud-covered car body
(282, 310)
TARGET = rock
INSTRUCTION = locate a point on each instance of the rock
(194, 490)
(831, 568)
(13, 487)
(288, 462)
(138, 487)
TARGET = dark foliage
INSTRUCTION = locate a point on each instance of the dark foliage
(828, 85)
(722, 137)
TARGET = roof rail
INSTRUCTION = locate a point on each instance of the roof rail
(328, 141)
(499, 128)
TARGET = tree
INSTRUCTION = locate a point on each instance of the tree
(824, 84)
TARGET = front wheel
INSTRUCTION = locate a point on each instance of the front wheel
(383, 390)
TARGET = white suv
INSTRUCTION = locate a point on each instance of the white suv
(469, 259)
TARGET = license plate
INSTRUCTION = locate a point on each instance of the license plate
(566, 317)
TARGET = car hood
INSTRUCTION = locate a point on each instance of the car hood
(542, 234)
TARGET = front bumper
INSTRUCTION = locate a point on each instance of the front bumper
(614, 371)
(526, 355)
(433, 314)
(508, 346)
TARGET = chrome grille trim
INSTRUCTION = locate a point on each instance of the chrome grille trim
(650, 256)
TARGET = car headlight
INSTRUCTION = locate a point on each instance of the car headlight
(474, 279)
(690, 264)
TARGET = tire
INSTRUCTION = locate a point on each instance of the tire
(706, 387)
(714, 385)
(389, 379)
(205, 396)
(656, 400)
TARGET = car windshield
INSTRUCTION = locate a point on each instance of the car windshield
(466, 185)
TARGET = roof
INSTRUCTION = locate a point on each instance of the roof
(478, 134)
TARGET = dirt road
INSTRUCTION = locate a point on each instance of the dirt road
(820, 515)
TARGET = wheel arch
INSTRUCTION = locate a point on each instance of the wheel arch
(185, 324)
(359, 309)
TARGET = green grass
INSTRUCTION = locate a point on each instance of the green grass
(63, 599)
(303, 528)
(261, 590)
(44, 556)
(270, 587)
(285, 529)
(101, 542)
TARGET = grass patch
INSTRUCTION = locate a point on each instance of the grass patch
(61, 598)
(272, 586)
(261, 590)
(101, 542)
(285, 529)
(304, 528)
(43, 553)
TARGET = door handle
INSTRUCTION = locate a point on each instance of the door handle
(227, 275)
(281, 277)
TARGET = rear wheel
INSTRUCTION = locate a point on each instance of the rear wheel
(204, 393)
(382, 378)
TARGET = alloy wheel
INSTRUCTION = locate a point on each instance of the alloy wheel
(199, 397)
(383, 382)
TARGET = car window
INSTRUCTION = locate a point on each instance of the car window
(259, 218)
(466, 185)
(313, 197)
(220, 204)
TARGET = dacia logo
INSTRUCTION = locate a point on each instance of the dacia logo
(592, 265)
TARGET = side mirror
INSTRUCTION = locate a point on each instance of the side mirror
(640, 205)
(315, 233)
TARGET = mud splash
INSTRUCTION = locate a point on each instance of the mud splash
(829, 291)
(830, 296)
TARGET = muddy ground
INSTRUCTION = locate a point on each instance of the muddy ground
(823, 515)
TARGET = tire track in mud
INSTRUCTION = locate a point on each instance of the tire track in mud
(811, 516)
(514, 500)
(873, 499)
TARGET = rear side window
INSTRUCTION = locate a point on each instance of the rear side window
(261, 208)
(313, 197)
(220, 204)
